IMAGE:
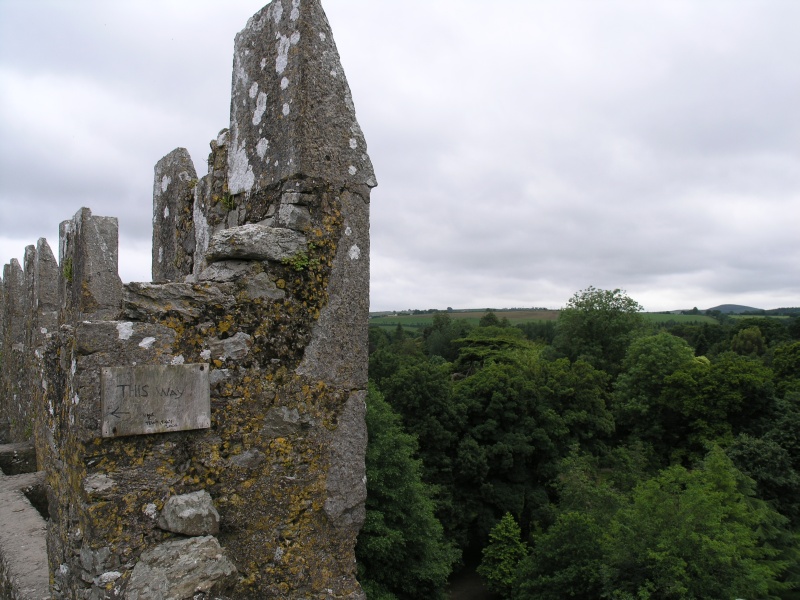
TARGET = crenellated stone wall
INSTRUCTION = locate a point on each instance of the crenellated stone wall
(261, 283)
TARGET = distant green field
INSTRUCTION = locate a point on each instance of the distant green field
(759, 316)
(662, 318)
(517, 317)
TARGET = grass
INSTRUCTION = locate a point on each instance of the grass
(517, 317)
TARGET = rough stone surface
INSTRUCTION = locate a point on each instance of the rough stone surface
(255, 242)
(14, 393)
(291, 108)
(179, 569)
(214, 209)
(347, 479)
(19, 458)
(190, 514)
(235, 347)
(173, 223)
(23, 552)
(89, 257)
(185, 299)
(46, 300)
(339, 348)
(275, 306)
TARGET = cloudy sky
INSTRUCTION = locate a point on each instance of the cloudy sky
(524, 149)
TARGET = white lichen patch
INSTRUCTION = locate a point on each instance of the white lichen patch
(253, 89)
(147, 343)
(108, 577)
(283, 54)
(261, 148)
(352, 170)
(353, 143)
(165, 181)
(160, 255)
(99, 482)
(241, 177)
(354, 253)
(150, 510)
(277, 11)
(261, 106)
(284, 83)
(348, 231)
(286, 109)
(125, 330)
(333, 73)
(178, 360)
(166, 212)
(205, 354)
(322, 36)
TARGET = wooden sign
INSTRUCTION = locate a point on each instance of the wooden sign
(154, 399)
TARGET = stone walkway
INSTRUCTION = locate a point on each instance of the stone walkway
(23, 551)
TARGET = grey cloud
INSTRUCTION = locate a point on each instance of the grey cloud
(524, 151)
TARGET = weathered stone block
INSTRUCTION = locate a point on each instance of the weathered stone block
(255, 242)
(179, 569)
(46, 290)
(89, 256)
(291, 108)
(190, 514)
(173, 223)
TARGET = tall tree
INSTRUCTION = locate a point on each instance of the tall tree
(401, 550)
(501, 557)
(597, 325)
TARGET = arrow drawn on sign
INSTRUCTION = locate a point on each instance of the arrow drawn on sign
(116, 412)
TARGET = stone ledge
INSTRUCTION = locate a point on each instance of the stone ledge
(16, 459)
(23, 551)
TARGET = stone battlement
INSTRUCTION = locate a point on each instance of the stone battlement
(202, 435)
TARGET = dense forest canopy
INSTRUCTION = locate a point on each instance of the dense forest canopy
(601, 455)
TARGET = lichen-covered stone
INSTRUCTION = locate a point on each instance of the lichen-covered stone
(46, 299)
(89, 257)
(291, 108)
(255, 242)
(276, 306)
(179, 569)
(190, 514)
(173, 221)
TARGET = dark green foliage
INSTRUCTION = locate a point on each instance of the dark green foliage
(539, 331)
(501, 557)
(566, 562)
(597, 325)
(607, 447)
(401, 549)
(749, 342)
(696, 533)
(441, 334)
(786, 366)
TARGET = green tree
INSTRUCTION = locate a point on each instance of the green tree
(566, 562)
(441, 334)
(786, 365)
(640, 405)
(597, 325)
(695, 534)
(401, 549)
(749, 342)
(501, 557)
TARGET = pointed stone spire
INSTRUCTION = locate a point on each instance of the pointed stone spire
(291, 108)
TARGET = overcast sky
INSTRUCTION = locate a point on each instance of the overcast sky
(524, 149)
